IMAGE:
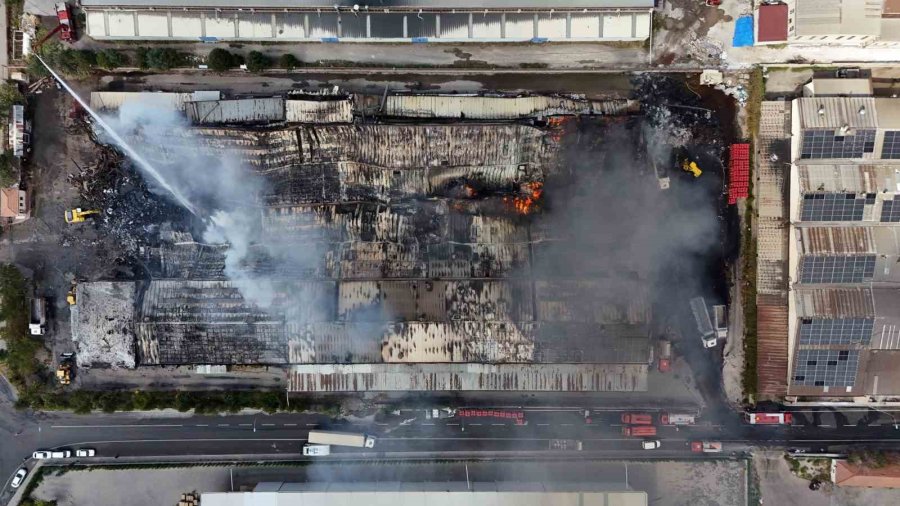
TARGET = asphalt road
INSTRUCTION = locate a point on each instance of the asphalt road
(131, 436)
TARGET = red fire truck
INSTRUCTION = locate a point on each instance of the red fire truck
(769, 418)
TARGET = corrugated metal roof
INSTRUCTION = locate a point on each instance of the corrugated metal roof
(113, 100)
(394, 4)
(837, 17)
(836, 240)
(836, 112)
(834, 302)
(455, 377)
(889, 113)
(318, 111)
(452, 106)
(245, 110)
(848, 178)
(772, 346)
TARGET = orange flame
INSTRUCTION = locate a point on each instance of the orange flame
(525, 204)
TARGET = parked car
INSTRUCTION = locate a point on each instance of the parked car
(63, 454)
(41, 455)
(650, 444)
(85, 452)
(19, 477)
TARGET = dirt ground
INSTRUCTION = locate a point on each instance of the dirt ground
(779, 486)
(696, 483)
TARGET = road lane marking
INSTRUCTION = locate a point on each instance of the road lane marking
(431, 424)
(456, 424)
(498, 424)
(311, 425)
(202, 425)
(543, 425)
(475, 424)
(223, 425)
(132, 426)
(566, 424)
(380, 423)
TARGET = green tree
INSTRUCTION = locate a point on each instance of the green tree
(288, 61)
(8, 171)
(221, 60)
(9, 95)
(111, 59)
(140, 57)
(257, 62)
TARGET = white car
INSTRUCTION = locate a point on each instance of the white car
(64, 454)
(85, 452)
(316, 450)
(650, 444)
(41, 455)
(19, 477)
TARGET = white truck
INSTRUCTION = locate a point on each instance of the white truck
(720, 318)
(354, 439)
(704, 324)
(37, 324)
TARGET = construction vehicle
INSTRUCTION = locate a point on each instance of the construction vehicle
(637, 418)
(692, 167)
(706, 447)
(639, 431)
(676, 419)
(37, 324)
(64, 373)
(78, 216)
(70, 295)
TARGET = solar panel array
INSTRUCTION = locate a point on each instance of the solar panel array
(825, 144)
(832, 368)
(833, 207)
(890, 212)
(891, 147)
(837, 269)
(827, 331)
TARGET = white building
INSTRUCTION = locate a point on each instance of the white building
(343, 20)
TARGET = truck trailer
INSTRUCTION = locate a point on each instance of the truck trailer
(704, 324)
(706, 447)
(37, 324)
(354, 439)
(677, 419)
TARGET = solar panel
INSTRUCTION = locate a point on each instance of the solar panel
(890, 212)
(833, 368)
(836, 330)
(825, 144)
(833, 207)
(836, 269)
(891, 147)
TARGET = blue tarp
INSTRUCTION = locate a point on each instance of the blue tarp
(743, 32)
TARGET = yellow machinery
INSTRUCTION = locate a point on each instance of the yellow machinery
(77, 215)
(689, 166)
(64, 373)
(70, 295)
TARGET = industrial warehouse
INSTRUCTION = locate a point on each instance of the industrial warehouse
(412, 21)
(425, 263)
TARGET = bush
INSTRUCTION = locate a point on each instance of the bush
(164, 58)
(9, 96)
(111, 59)
(8, 172)
(221, 60)
(24, 369)
(257, 62)
(288, 61)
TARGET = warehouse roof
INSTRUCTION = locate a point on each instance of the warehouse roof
(833, 87)
(245, 110)
(475, 107)
(836, 17)
(773, 23)
(103, 324)
(394, 4)
(837, 112)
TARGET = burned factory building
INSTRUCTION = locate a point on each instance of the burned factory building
(399, 254)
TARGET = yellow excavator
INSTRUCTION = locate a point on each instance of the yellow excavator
(692, 167)
(78, 216)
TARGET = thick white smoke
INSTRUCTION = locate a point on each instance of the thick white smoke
(222, 191)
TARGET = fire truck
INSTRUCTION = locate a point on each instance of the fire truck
(769, 418)
(639, 430)
(676, 419)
